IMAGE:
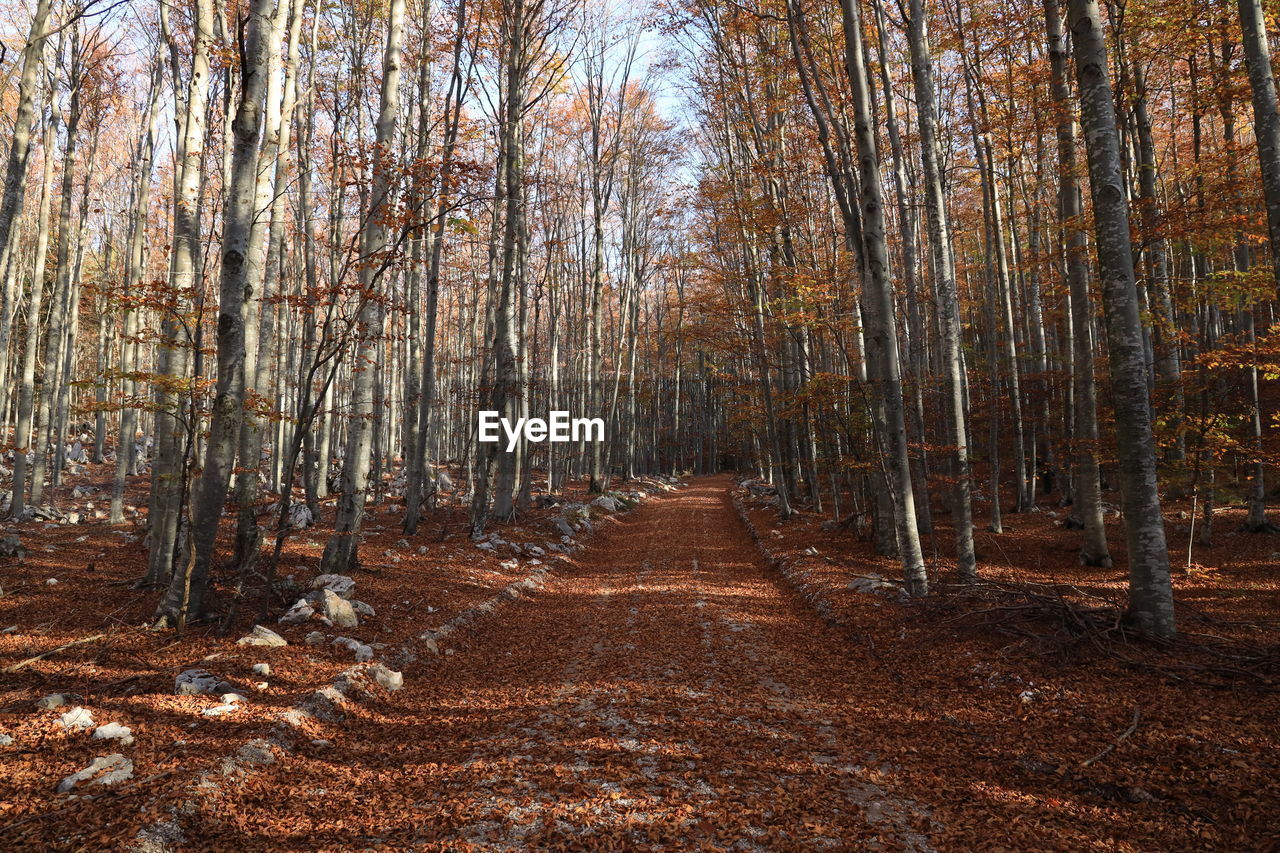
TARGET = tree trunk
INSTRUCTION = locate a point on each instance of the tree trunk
(1150, 592)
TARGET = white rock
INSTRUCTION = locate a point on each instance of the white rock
(232, 699)
(114, 731)
(105, 770)
(76, 718)
(334, 608)
(261, 636)
(262, 669)
(220, 710)
(51, 582)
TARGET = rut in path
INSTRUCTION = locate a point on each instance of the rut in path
(663, 693)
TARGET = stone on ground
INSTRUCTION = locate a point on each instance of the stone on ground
(261, 636)
(114, 731)
(105, 770)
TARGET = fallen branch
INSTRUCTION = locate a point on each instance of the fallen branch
(1133, 727)
(20, 664)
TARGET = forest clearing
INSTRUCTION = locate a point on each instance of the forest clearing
(739, 425)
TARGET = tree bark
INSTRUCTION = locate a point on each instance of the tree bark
(1150, 592)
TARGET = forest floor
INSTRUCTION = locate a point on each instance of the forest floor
(698, 676)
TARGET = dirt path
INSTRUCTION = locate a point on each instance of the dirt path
(664, 693)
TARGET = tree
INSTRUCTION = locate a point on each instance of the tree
(1150, 592)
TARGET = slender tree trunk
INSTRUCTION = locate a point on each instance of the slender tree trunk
(1150, 592)
(188, 590)
(340, 554)
(879, 299)
(1087, 483)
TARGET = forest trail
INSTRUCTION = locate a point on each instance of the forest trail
(663, 693)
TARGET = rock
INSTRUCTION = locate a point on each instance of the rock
(221, 710)
(341, 585)
(76, 718)
(300, 516)
(300, 612)
(6, 739)
(607, 503)
(114, 731)
(262, 669)
(811, 551)
(361, 678)
(334, 608)
(261, 636)
(485, 546)
(51, 582)
(315, 638)
(429, 640)
(364, 611)
(875, 584)
(105, 770)
(57, 700)
(362, 652)
(11, 546)
(443, 482)
(233, 698)
(535, 551)
(201, 682)
(564, 527)
(72, 518)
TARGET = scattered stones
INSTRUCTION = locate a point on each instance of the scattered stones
(341, 585)
(201, 682)
(564, 527)
(315, 638)
(262, 669)
(874, 584)
(105, 770)
(114, 731)
(77, 718)
(261, 636)
(485, 546)
(364, 611)
(360, 679)
(362, 652)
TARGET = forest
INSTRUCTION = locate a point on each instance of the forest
(921, 358)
